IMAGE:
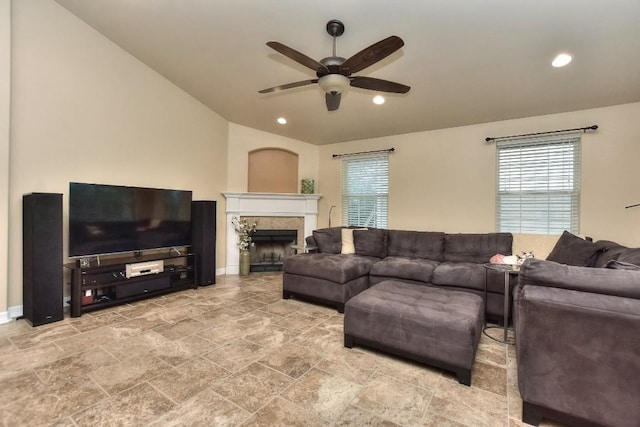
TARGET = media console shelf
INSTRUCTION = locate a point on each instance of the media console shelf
(99, 286)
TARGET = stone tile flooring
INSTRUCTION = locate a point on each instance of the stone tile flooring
(234, 354)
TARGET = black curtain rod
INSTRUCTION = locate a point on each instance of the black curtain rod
(584, 129)
(388, 150)
(632, 206)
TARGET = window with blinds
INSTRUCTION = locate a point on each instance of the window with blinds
(365, 190)
(538, 184)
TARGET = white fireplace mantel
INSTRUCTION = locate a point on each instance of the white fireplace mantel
(266, 204)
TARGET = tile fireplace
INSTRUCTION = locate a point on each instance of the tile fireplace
(271, 211)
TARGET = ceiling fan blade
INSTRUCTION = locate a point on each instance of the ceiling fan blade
(288, 86)
(371, 55)
(300, 58)
(333, 101)
(378, 84)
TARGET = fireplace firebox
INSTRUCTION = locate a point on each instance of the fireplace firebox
(270, 248)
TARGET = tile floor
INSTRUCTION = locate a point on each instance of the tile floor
(234, 354)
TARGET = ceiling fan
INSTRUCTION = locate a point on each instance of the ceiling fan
(334, 72)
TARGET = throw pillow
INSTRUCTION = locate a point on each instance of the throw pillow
(572, 250)
(328, 240)
(347, 240)
(370, 242)
(619, 265)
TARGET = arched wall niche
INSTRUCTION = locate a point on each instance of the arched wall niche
(272, 170)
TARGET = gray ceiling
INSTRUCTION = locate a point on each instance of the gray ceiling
(467, 61)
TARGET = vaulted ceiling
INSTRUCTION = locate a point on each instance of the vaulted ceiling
(466, 61)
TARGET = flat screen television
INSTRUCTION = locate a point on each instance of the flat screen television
(109, 219)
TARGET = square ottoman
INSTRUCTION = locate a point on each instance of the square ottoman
(435, 326)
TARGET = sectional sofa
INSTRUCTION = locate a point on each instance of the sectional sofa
(453, 261)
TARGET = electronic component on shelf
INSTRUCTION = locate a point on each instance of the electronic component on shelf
(87, 297)
(142, 268)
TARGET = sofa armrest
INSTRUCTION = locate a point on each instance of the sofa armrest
(605, 281)
(579, 353)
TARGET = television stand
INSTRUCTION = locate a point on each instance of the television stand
(121, 280)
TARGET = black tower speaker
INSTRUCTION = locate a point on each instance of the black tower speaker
(42, 280)
(203, 240)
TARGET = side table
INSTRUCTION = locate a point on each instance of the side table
(508, 270)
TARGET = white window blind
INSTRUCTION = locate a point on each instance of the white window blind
(538, 182)
(365, 190)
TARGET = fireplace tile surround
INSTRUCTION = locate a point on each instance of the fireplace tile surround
(271, 211)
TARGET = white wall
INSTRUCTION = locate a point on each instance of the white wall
(84, 110)
(444, 180)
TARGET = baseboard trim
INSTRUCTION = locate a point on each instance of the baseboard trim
(4, 317)
(16, 311)
(11, 314)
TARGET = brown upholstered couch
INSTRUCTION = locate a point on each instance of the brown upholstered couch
(453, 261)
(578, 335)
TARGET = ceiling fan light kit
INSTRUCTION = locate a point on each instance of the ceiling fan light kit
(335, 72)
(334, 83)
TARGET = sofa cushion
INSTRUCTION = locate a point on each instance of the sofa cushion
(477, 248)
(370, 242)
(572, 250)
(328, 240)
(418, 269)
(631, 256)
(336, 268)
(611, 252)
(616, 282)
(416, 244)
(459, 274)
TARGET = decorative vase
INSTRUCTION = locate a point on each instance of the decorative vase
(245, 262)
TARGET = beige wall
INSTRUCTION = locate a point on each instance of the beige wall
(445, 180)
(84, 110)
(273, 170)
(5, 119)
(243, 139)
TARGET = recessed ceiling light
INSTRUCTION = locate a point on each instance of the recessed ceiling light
(378, 99)
(561, 60)
(282, 120)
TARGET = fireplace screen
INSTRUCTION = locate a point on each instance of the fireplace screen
(270, 248)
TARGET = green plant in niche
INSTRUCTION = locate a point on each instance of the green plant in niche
(307, 186)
